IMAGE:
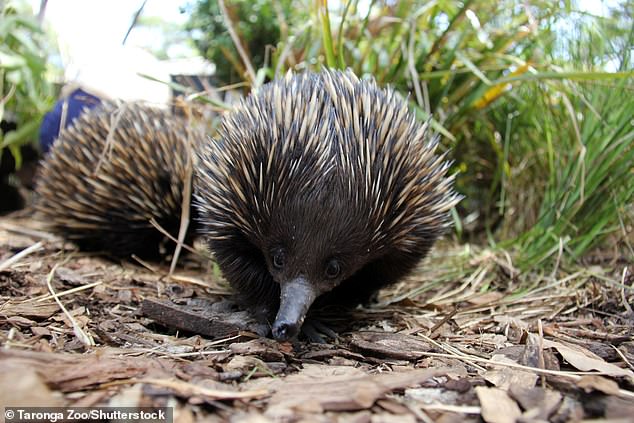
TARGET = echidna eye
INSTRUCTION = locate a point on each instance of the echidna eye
(333, 268)
(279, 258)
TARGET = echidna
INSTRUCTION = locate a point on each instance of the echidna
(111, 172)
(320, 183)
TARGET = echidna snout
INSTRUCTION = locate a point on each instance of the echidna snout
(295, 299)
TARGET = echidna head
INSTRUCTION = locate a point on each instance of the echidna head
(316, 241)
(320, 182)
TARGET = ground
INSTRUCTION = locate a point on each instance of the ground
(465, 338)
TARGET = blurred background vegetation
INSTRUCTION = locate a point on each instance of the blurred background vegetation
(534, 99)
(25, 91)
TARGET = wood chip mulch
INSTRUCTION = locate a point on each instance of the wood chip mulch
(444, 345)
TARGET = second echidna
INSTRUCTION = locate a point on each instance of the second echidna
(111, 172)
(321, 186)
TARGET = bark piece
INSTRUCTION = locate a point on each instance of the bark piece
(390, 345)
(199, 320)
(31, 310)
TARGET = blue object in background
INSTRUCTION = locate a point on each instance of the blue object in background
(76, 103)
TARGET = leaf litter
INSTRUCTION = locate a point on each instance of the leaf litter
(467, 337)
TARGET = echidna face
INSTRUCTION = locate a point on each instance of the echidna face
(314, 243)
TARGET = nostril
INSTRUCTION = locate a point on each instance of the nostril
(284, 331)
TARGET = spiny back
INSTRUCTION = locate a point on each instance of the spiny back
(296, 135)
(111, 172)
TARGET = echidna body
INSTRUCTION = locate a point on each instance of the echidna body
(111, 172)
(320, 183)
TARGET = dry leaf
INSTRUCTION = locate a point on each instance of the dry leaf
(538, 402)
(245, 364)
(129, 396)
(322, 388)
(187, 390)
(585, 360)
(433, 395)
(486, 298)
(497, 406)
(21, 385)
(598, 383)
(70, 276)
(73, 372)
(506, 377)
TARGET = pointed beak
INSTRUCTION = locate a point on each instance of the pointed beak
(296, 298)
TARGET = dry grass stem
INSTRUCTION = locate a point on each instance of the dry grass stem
(84, 338)
(19, 256)
(238, 44)
(115, 118)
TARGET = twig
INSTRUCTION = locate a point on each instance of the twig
(34, 233)
(190, 389)
(114, 123)
(145, 264)
(559, 255)
(185, 203)
(463, 357)
(623, 357)
(541, 362)
(444, 320)
(465, 409)
(625, 234)
(575, 376)
(135, 21)
(190, 280)
(411, 66)
(623, 297)
(179, 355)
(162, 230)
(236, 42)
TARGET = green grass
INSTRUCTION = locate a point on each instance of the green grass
(583, 167)
(25, 93)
